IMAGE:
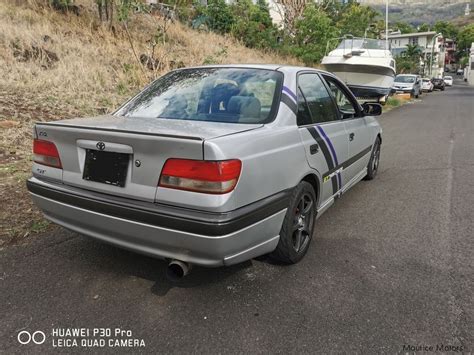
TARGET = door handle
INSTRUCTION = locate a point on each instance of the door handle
(313, 149)
(351, 136)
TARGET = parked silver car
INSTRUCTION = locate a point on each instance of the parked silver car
(407, 84)
(209, 165)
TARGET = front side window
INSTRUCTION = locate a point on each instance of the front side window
(234, 95)
(313, 98)
(344, 103)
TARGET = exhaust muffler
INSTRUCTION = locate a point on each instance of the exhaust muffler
(177, 269)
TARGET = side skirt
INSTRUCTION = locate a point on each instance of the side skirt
(326, 204)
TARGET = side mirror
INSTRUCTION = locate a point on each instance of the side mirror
(371, 109)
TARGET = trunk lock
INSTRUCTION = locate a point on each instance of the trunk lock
(138, 163)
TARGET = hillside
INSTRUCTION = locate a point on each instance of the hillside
(417, 12)
(57, 65)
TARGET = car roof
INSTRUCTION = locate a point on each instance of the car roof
(280, 67)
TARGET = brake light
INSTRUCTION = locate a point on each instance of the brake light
(212, 177)
(46, 153)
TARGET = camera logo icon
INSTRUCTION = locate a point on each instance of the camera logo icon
(25, 337)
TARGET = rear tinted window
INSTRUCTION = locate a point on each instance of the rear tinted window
(235, 95)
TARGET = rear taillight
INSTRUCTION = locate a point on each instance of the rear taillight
(46, 153)
(212, 177)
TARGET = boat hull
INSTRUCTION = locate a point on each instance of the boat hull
(368, 81)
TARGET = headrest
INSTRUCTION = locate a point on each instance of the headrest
(246, 106)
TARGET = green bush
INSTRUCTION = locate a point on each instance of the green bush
(218, 15)
(253, 24)
(314, 30)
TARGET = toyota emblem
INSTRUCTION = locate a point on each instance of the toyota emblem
(100, 145)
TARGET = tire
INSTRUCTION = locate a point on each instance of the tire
(417, 95)
(298, 226)
(374, 161)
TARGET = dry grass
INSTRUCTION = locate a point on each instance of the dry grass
(94, 72)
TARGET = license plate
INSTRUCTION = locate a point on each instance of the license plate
(399, 92)
(106, 167)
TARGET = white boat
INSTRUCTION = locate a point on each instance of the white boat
(364, 64)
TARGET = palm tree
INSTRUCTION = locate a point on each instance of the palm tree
(413, 51)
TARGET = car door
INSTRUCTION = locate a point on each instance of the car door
(322, 132)
(358, 133)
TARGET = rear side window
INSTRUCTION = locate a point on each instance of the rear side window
(233, 95)
(314, 102)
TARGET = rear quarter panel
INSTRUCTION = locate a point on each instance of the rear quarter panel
(273, 159)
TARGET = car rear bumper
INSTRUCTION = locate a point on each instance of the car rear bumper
(203, 238)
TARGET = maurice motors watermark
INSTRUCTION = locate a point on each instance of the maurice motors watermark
(434, 348)
(82, 338)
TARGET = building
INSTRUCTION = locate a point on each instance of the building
(469, 70)
(450, 54)
(431, 44)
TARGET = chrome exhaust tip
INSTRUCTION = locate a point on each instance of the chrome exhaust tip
(177, 269)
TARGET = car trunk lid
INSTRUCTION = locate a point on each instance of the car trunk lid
(124, 156)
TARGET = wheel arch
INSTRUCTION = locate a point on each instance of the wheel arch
(313, 180)
(379, 136)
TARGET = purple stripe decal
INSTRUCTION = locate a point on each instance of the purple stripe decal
(289, 92)
(331, 147)
(333, 152)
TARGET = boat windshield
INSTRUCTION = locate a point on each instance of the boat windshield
(361, 43)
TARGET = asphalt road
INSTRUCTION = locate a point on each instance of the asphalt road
(391, 264)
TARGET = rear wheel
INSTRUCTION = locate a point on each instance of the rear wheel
(298, 225)
(373, 165)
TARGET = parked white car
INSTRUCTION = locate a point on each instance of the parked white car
(427, 85)
(448, 80)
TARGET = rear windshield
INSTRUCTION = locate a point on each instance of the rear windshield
(234, 95)
(404, 79)
(448, 77)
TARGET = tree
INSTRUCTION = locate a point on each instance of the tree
(404, 27)
(313, 30)
(356, 19)
(447, 29)
(409, 61)
(253, 24)
(413, 51)
(219, 16)
(424, 27)
(466, 37)
(290, 11)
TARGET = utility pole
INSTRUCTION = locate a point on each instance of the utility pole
(386, 25)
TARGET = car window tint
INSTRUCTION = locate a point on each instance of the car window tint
(342, 99)
(317, 98)
(303, 117)
(232, 95)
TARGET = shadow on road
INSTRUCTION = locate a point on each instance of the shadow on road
(125, 263)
